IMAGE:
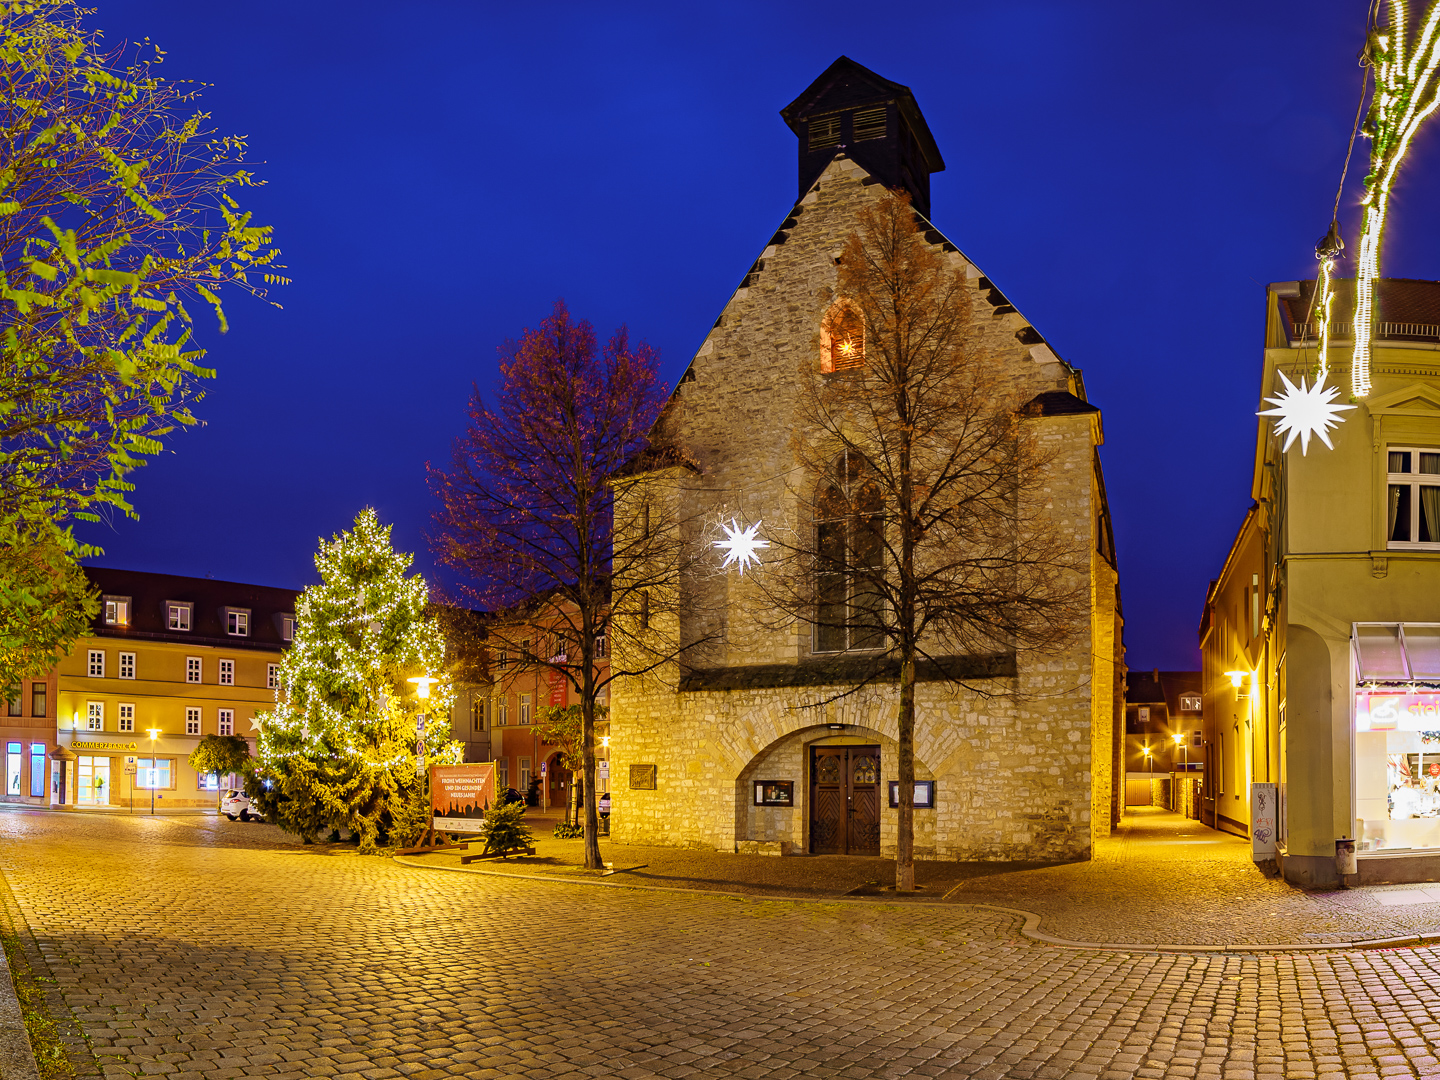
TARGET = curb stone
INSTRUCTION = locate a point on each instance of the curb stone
(1030, 928)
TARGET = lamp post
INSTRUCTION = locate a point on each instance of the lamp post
(422, 691)
(1179, 738)
(154, 734)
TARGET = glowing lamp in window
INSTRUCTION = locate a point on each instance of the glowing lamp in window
(842, 341)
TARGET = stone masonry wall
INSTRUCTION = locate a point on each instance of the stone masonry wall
(1012, 759)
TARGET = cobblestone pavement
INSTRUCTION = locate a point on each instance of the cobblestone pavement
(200, 948)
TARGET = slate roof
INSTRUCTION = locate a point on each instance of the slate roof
(149, 593)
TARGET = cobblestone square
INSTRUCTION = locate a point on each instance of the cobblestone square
(195, 947)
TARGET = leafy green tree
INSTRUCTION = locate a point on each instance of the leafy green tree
(563, 727)
(218, 755)
(117, 216)
(338, 750)
(46, 603)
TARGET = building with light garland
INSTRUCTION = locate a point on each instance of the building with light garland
(1320, 638)
(765, 741)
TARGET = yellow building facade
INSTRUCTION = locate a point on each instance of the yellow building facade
(170, 659)
(1321, 636)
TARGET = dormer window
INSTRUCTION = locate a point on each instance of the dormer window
(824, 131)
(287, 627)
(117, 610)
(178, 614)
(237, 622)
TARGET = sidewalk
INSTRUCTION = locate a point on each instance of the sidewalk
(1161, 880)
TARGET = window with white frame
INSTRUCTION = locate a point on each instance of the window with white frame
(117, 610)
(502, 712)
(192, 669)
(225, 721)
(272, 676)
(502, 772)
(192, 720)
(1413, 503)
(95, 716)
(524, 708)
(177, 614)
(126, 714)
(237, 622)
(227, 672)
(96, 668)
(127, 665)
(602, 647)
(287, 627)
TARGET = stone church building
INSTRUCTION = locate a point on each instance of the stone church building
(751, 743)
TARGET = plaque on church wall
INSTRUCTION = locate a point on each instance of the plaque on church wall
(924, 794)
(774, 792)
(642, 777)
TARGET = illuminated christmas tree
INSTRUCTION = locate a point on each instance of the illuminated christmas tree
(339, 749)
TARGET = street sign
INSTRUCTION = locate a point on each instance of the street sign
(542, 767)
(130, 764)
(420, 724)
(604, 766)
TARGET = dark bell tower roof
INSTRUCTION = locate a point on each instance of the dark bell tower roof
(875, 122)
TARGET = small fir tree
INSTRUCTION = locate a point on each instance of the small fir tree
(504, 829)
(339, 750)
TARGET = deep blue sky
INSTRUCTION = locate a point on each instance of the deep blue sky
(1130, 174)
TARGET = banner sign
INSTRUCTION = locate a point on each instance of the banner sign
(557, 688)
(460, 795)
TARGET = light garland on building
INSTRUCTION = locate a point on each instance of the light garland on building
(1405, 94)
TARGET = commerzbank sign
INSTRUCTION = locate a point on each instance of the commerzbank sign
(122, 746)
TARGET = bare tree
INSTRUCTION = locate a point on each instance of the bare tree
(921, 539)
(528, 518)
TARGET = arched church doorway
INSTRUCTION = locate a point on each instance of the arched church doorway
(845, 800)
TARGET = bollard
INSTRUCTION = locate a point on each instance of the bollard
(1345, 859)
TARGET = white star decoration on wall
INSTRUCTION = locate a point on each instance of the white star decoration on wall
(1303, 411)
(740, 545)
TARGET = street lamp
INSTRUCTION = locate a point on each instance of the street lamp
(1184, 748)
(422, 691)
(154, 734)
(1150, 761)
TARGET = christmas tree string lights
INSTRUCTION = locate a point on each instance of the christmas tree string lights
(338, 750)
(1405, 94)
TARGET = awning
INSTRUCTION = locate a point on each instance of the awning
(1397, 652)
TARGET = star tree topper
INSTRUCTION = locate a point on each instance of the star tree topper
(1302, 411)
(740, 545)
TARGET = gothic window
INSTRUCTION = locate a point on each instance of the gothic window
(849, 558)
(842, 340)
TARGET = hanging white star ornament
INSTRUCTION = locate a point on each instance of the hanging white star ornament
(1302, 411)
(740, 545)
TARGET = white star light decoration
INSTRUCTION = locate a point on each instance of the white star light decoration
(1302, 411)
(740, 545)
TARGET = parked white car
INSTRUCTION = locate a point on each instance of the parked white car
(237, 804)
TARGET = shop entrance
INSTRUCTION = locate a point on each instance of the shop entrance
(845, 800)
(92, 787)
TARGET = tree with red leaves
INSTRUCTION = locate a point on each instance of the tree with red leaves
(527, 517)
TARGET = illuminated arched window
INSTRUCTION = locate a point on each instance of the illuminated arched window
(849, 558)
(843, 340)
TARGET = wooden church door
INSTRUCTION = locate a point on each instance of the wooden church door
(845, 800)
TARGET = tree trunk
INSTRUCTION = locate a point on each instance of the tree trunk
(592, 818)
(905, 838)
